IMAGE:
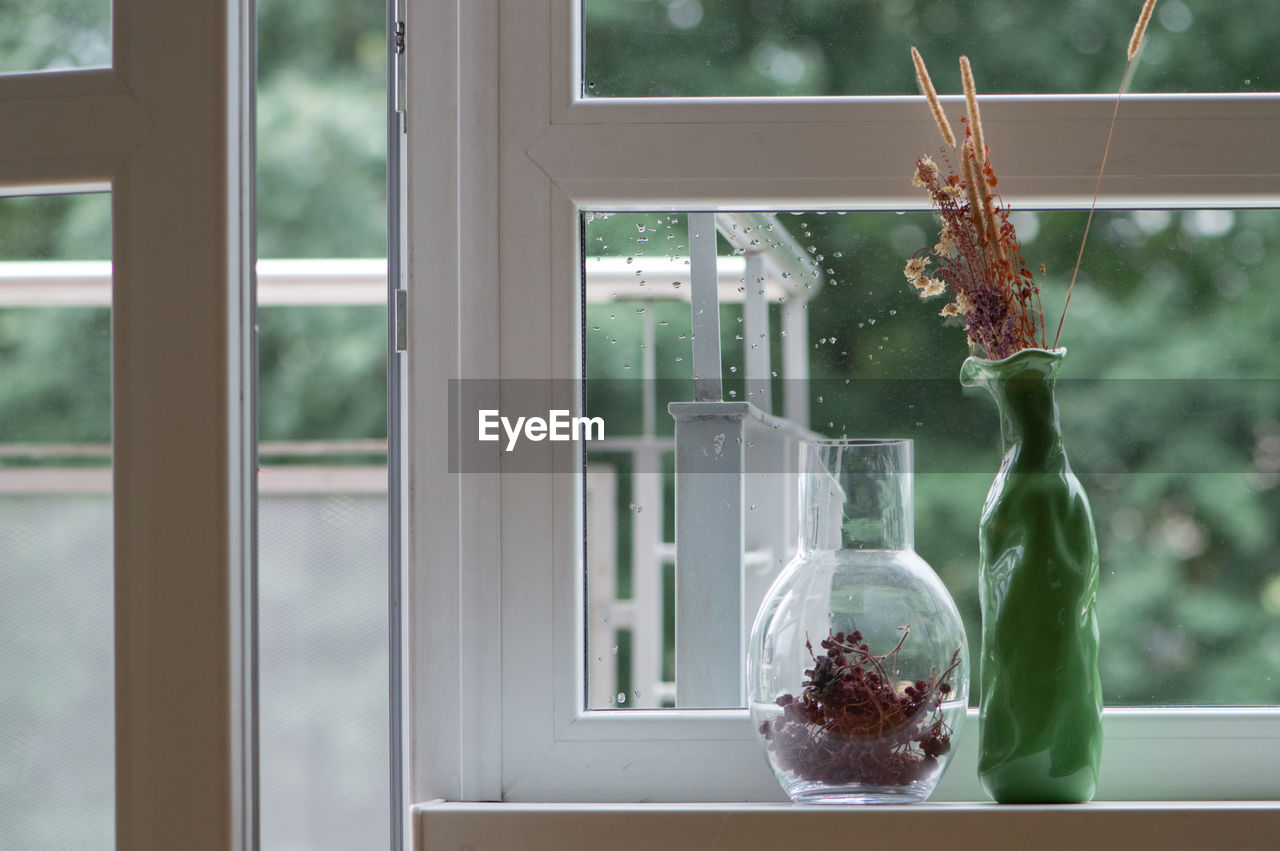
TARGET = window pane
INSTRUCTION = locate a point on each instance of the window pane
(1170, 402)
(648, 48)
(322, 520)
(40, 35)
(57, 749)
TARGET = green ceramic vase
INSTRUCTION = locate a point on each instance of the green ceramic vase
(1040, 715)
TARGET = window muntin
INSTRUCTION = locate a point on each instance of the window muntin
(763, 48)
(1170, 404)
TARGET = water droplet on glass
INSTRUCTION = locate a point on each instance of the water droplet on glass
(641, 228)
(637, 508)
(733, 369)
(631, 259)
(753, 508)
(639, 310)
(675, 285)
(733, 394)
(626, 366)
(819, 400)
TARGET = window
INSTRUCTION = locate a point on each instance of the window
(165, 130)
(497, 603)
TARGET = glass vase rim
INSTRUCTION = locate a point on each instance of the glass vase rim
(982, 372)
(1056, 354)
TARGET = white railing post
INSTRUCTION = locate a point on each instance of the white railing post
(755, 332)
(704, 308)
(710, 448)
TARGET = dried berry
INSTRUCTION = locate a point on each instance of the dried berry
(853, 724)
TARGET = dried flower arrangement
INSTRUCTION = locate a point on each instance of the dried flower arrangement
(856, 723)
(978, 254)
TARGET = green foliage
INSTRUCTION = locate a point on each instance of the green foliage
(327, 378)
(1169, 400)
(40, 35)
(641, 48)
(321, 186)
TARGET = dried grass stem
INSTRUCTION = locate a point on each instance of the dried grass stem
(1140, 28)
(975, 120)
(926, 88)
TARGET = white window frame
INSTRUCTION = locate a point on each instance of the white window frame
(503, 153)
(167, 129)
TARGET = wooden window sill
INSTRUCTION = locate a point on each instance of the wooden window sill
(1096, 826)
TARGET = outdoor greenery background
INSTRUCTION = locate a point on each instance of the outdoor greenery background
(1190, 600)
(1171, 392)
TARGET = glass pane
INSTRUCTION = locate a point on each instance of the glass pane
(1170, 404)
(41, 35)
(690, 48)
(322, 522)
(57, 710)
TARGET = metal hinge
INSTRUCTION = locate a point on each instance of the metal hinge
(398, 34)
(402, 320)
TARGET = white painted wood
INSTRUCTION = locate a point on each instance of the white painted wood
(87, 283)
(183, 489)
(795, 361)
(454, 685)
(167, 130)
(755, 334)
(1117, 826)
(710, 459)
(603, 609)
(856, 153)
(704, 308)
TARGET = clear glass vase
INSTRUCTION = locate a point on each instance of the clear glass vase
(858, 668)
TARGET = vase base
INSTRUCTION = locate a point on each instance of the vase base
(816, 793)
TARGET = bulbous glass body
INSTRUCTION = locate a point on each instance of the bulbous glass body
(858, 668)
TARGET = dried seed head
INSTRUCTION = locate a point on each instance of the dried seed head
(926, 172)
(915, 267)
(926, 88)
(1140, 29)
(975, 120)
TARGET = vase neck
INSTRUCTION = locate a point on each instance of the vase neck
(1023, 390)
(856, 495)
